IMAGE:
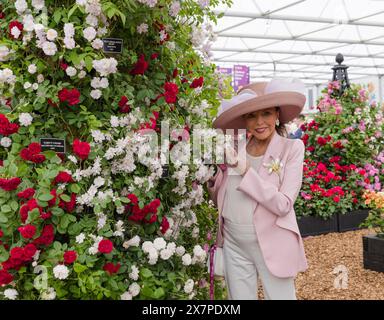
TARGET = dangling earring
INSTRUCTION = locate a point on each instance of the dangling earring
(277, 122)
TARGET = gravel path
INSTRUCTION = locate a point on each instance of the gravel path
(343, 251)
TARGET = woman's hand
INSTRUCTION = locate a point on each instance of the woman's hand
(233, 160)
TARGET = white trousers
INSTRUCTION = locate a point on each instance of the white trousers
(243, 263)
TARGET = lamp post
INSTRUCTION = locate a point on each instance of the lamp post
(340, 74)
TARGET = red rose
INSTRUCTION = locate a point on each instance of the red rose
(16, 24)
(7, 128)
(28, 231)
(153, 219)
(68, 206)
(171, 91)
(105, 246)
(71, 96)
(123, 105)
(52, 202)
(70, 257)
(154, 56)
(29, 251)
(321, 141)
(47, 236)
(5, 277)
(9, 184)
(63, 65)
(197, 83)
(140, 67)
(81, 149)
(32, 153)
(45, 215)
(63, 177)
(336, 199)
(154, 205)
(26, 194)
(164, 225)
(175, 73)
(133, 198)
(111, 268)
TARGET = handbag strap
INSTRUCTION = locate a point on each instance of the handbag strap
(211, 272)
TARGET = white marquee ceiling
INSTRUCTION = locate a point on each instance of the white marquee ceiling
(300, 38)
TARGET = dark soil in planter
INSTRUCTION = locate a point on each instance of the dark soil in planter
(373, 253)
(312, 226)
(351, 220)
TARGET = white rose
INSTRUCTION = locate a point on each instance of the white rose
(32, 68)
(60, 272)
(95, 94)
(187, 260)
(35, 86)
(71, 71)
(40, 78)
(147, 246)
(49, 294)
(134, 289)
(104, 83)
(49, 48)
(82, 74)
(69, 43)
(126, 296)
(25, 119)
(89, 33)
(51, 34)
(21, 6)
(159, 243)
(188, 287)
(180, 251)
(27, 85)
(165, 254)
(6, 142)
(10, 294)
(15, 32)
(97, 44)
(38, 4)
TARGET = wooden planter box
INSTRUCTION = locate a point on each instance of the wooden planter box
(351, 220)
(312, 226)
(373, 253)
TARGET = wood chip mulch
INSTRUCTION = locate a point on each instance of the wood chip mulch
(336, 269)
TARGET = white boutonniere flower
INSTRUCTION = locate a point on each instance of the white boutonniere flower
(274, 166)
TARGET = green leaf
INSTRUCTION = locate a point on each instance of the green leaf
(45, 197)
(57, 16)
(65, 198)
(3, 218)
(158, 293)
(75, 188)
(79, 268)
(146, 273)
(72, 11)
(4, 255)
(6, 208)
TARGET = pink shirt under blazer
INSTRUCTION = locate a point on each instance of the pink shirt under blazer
(274, 217)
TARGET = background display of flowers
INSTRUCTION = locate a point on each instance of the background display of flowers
(343, 152)
(94, 222)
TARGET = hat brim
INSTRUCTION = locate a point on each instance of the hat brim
(291, 104)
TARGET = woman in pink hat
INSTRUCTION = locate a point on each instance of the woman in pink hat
(258, 231)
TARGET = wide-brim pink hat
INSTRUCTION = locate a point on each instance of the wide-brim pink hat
(288, 95)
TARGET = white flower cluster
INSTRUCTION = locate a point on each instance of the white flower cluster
(95, 247)
(149, 3)
(25, 119)
(7, 76)
(49, 294)
(69, 32)
(61, 272)
(175, 8)
(158, 247)
(133, 291)
(5, 142)
(181, 176)
(188, 287)
(10, 294)
(134, 274)
(119, 229)
(105, 66)
(4, 53)
(89, 172)
(142, 28)
(134, 242)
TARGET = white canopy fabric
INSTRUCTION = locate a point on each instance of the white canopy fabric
(300, 39)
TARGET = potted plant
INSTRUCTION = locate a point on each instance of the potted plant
(373, 244)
